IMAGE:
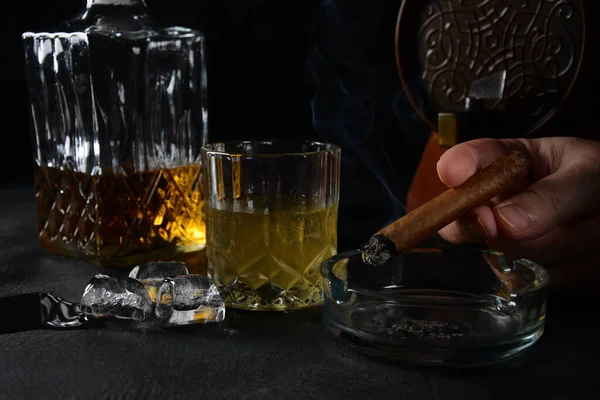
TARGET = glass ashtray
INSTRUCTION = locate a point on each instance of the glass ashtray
(436, 306)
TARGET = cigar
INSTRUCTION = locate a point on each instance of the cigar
(400, 236)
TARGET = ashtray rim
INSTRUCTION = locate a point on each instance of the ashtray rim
(542, 276)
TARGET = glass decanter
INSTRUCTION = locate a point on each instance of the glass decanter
(118, 114)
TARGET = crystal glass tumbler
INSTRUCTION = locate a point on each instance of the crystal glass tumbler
(271, 220)
(118, 114)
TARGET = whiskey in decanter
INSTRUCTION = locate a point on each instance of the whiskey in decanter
(118, 114)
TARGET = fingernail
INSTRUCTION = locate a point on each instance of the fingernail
(476, 228)
(513, 216)
(437, 169)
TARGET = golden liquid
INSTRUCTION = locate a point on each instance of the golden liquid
(270, 261)
(121, 220)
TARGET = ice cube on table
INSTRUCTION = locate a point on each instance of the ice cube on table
(158, 269)
(190, 299)
(59, 313)
(152, 274)
(116, 297)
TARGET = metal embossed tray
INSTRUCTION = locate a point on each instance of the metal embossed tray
(442, 46)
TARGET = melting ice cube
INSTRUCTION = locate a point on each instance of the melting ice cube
(59, 313)
(116, 297)
(190, 299)
(158, 269)
(152, 274)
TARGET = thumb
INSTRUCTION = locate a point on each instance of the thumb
(552, 201)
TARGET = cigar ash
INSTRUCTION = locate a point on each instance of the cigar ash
(378, 250)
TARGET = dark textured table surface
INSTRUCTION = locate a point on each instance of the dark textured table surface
(261, 355)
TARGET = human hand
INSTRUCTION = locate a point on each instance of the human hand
(555, 221)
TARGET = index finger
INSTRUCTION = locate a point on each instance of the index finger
(460, 162)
